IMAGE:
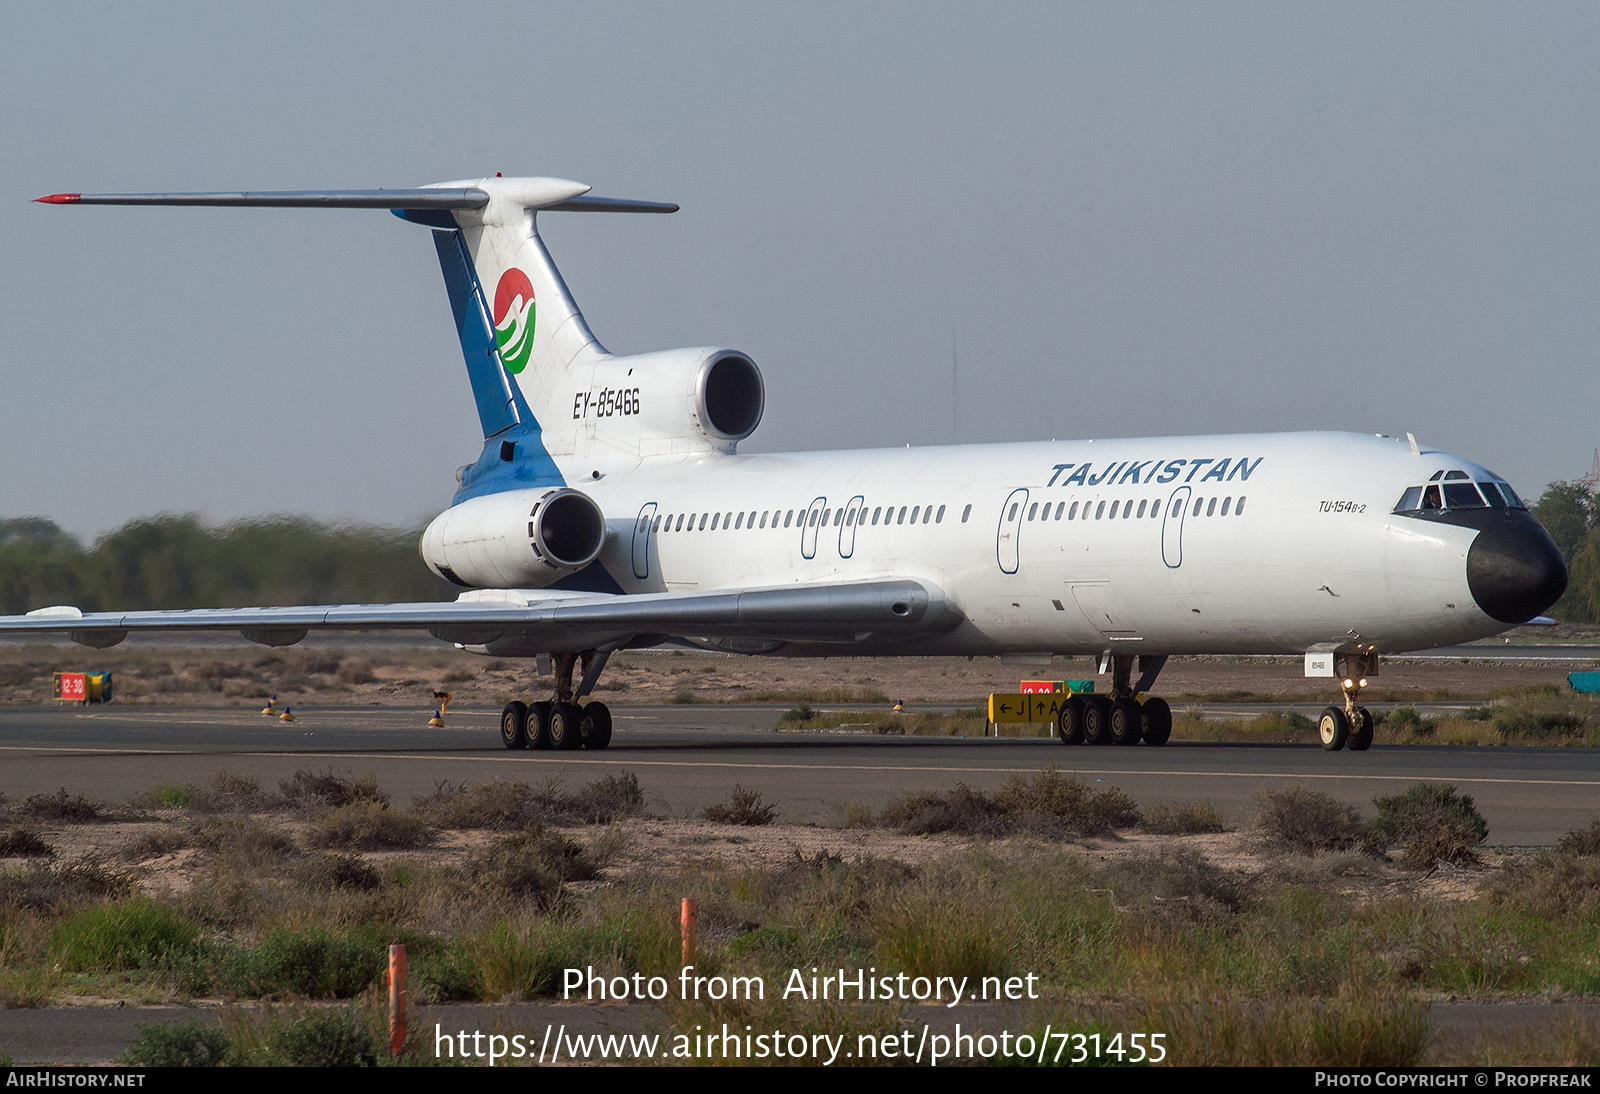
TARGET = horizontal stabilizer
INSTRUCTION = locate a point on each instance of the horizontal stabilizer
(467, 197)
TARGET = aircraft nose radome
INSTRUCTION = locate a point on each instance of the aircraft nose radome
(1514, 569)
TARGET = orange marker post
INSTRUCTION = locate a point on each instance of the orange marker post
(686, 924)
(397, 1000)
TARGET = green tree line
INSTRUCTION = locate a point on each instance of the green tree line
(175, 562)
(1570, 512)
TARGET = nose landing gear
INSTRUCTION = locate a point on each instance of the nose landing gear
(1350, 725)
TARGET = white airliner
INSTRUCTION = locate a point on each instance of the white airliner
(611, 509)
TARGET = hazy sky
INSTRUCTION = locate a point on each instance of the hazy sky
(1136, 219)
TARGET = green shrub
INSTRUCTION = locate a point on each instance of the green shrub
(1431, 823)
(320, 1037)
(165, 796)
(129, 935)
(179, 1044)
(1070, 802)
(533, 866)
(309, 961)
(1306, 821)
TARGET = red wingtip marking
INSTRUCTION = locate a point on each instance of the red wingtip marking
(60, 199)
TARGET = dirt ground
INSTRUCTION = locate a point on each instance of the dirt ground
(360, 672)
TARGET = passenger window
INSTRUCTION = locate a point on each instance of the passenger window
(1127, 510)
(965, 513)
(1072, 514)
(1211, 509)
(915, 509)
(1142, 504)
(938, 517)
(875, 513)
(1113, 511)
(927, 514)
(902, 517)
(657, 528)
(1100, 511)
(740, 522)
(1012, 516)
(1238, 510)
(1199, 504)
(1033, 512)
(703, 518)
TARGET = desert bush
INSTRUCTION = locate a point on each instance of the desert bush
(533, 866)
(961, 810)
(743, 807)
(1582, 841)
(607, 799)
(1431, 823)
(499, 805)
(356, 672)
(308, 792)
(338, 872)
(1560, 888)
(232, 793)
(178, 1044)
(58, 808)
(1077, 807)
(1182, 819)
(53, 886)
(367, 825)
(1306, 821)
(1179, 882)
(24, 843)
(243, 841)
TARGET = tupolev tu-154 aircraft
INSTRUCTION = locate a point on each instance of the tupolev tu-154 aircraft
(610, 508)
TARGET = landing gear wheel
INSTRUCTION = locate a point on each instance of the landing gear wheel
(1124, 722)
(1097, 719)
(1361, 732)
(1334, 729)
(596, 725)
(514, 725)
(1069, 721)
(566, 727)
(539, 725)
(1155, 721)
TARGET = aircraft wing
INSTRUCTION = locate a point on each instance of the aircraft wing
(845, 614)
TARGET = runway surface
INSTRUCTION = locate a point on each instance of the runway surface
(688, 757)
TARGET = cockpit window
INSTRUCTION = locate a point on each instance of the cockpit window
(1454, 493)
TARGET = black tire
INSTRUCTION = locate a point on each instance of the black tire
(1334, 729)
(514, 725)
(1361, 732)
(1097, 719)
(1124, 722)
(1155, 721)
(596, 725)
(566, 727)
(539, 725)
(1069, 721)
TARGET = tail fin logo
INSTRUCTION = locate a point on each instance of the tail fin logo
(513, 319)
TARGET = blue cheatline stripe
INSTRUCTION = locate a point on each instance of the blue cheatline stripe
(502, 410)
(500, 405)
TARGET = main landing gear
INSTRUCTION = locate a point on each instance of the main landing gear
(1120, 718)
(1350, 725)
(562, 723)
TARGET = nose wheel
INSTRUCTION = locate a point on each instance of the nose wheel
(1348, 726)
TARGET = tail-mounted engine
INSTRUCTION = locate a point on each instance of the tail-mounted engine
(520, 539)
(647, 404)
